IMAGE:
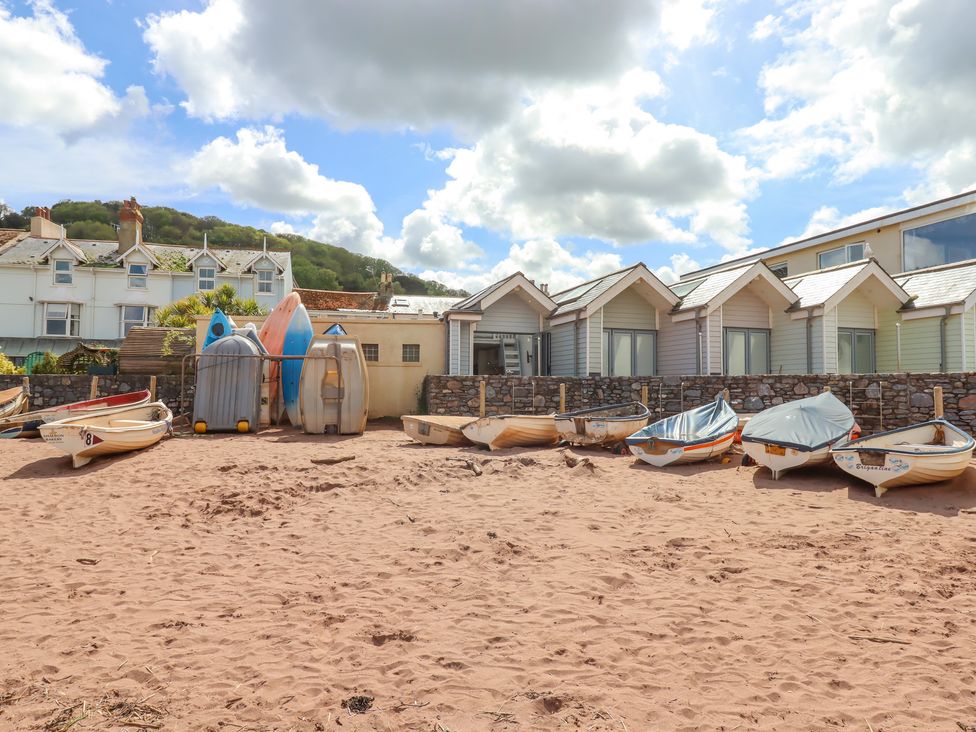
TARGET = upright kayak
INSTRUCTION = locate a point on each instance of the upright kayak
(220, 326)
(297, 337)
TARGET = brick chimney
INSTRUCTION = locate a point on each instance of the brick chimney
(42, 226)
(130, 225)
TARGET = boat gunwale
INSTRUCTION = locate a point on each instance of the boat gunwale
(714, 437)
(851, 446)
(78, 421)
(589, 413)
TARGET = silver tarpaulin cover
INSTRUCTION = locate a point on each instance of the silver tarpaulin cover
(806, 424)
(696, 425)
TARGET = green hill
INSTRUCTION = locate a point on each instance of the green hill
(314, 264)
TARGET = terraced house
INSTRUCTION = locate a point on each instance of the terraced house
(55, 292)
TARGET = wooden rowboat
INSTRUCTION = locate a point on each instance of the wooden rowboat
(602, 425)
(13, 401)
(512, 430)
(26, 424)
(436, 429)
(117, 431)
(928, 452)
(690, 437)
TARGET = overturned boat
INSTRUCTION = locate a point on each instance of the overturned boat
(512, 430)
(27, 424)
(689, 437)
(928, 452)
(13, 401)
(796, 434)
(602, 425)
(436, 429)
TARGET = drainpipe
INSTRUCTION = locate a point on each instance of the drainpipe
(700, 355)
(576, 327)
(898, 347)
(943, 366)
(810, 341)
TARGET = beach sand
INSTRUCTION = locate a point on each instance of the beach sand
(227, 583)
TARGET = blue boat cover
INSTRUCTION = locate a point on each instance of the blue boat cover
(335, 329)
(806, 424)
(703, 424)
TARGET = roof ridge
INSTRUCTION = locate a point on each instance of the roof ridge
(856, 263)
(602, 277)
(937, 268)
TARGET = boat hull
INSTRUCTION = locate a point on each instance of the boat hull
(28, 424)
(780, 460)
(90, 436)
(297, 338)
(13, 401)
(504, 431)
(661, 453)
(436, 430)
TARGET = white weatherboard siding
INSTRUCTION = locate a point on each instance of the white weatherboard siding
(629, 310)
(595, 324)
(714, 343)
(677, 349)
(953, 337)
(745, 310)
(561, 349)
(509, 314)
(789, 344)
(856, 311)
(454, 347)
(829, 322)
(886, 341)
(817, 338)
(464, 344)
(920, 344)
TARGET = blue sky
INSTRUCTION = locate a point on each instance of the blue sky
(466, 140)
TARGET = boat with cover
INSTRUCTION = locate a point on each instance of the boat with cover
(512, 430)
(220, 326)
(602, 425)
(798, 433)
(123, 430)
(928, 452)
(436, 429)
(27, 424)
(12, 401)
(690, 437)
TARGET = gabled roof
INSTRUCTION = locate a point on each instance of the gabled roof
(139, 247)
(477, 302)
(207, 252)
(72, 249)
(947, 284)
(828, 287)
(712, 290)
(594, 293)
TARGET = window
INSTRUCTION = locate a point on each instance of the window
(206, 278)
(841, 255)
(63, 271)
(133, 315)
(411, 353)
(781, 270)
(371, 351)
(137, 276)
(940, 243)
(61, 319)
(265, 281)
(855, 351)
(629, 352)
(746, 351)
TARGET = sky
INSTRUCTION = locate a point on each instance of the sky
(464, 140)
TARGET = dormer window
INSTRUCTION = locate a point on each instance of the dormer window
(206, 279)
(137, 276)
(265, 281)
(63, 271)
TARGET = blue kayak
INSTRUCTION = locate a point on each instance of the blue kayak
(220, 326)
(297, 337)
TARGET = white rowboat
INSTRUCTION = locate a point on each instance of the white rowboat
(690, 437)
(436, 429)
(118, 431)
(928, 452)
(512, 430)
(12, 401)
(602, 425)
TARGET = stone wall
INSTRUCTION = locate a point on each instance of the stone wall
(48, 390)
(879, 401)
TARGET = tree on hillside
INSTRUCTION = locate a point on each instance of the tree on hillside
(91, 230)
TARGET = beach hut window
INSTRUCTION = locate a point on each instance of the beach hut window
(746, 351)
(781, 270)
(411, 353)
(61, 319)
(855, 351)
(265, 281)
(952, 240)
(132, 316)
(629, 352)
(841, 255)
(63, 271)
(206, 278)
(371, 351)
(137, 276)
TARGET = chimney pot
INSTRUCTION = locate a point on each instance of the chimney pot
(130, 225)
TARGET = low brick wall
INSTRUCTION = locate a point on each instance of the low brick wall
(49, 390)
(879, 401)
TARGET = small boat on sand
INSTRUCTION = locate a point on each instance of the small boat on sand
(117, 431)
(689, 437)
(12, 401)
(928, 452)
(798, 433)
(26, 424)
(512, 430)
(436, 429)
(602, 425)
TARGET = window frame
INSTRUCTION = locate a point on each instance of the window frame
(748, 354)
(260, 282)
(212, 279)
(847, 254)
(606, 357)
(130, 276)
(403, 353)
(904, 260)
(148, 311)
(71, 318)
(854, 332)
(784, 265)
(70, 271)
(373, 348)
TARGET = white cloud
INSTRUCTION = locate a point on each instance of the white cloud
(769, 26)
(829, 218)
(680, 264)
(871, 84)
(49, 81)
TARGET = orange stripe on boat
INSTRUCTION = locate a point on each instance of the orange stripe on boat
(710, 444)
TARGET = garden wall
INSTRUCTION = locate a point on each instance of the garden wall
(879, 401)
(52, 389)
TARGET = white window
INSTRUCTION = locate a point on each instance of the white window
(855, 351)
(411, 353)
(63, 271)
(61, 319)
(841, 255)
(371, 351)
(206, 278)
(137, 276)
(265, 281)
(629, 352)
(781, 270)
(746, 351)
(953, 240)
(133, 315)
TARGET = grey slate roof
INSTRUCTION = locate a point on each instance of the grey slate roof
(577, 298)
(939, 285)
(30, 250)
(698, 293)
(420, 304)
(815, 288)
(473, 303)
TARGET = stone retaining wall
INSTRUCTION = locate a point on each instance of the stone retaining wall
(49, 390)
(879, 401)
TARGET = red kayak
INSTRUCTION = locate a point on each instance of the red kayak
(27, 424)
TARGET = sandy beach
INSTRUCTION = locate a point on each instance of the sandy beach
(245, 583)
